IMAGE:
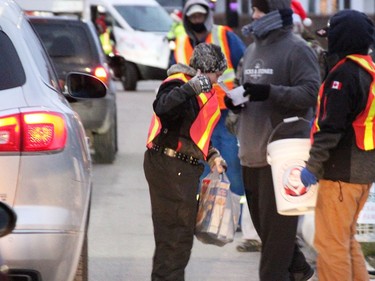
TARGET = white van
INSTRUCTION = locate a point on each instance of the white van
(139, 28)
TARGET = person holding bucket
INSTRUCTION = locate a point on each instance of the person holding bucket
(281, 77)
(342, 155)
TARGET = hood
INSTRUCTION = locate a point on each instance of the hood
(350, 32)
(181, 68)
(209, 19)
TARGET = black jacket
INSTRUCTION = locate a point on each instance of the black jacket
(334, 154)
(177, 107)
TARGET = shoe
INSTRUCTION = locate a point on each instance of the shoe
(370, 269)
(303, 276)
(249, 245)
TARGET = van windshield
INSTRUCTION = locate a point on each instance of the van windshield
(145, 18)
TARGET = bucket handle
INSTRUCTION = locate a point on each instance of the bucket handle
(285, 121)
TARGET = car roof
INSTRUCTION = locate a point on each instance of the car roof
(72, 43)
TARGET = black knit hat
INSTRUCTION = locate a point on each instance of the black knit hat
(262, 5)
(208, 58)
(350, 32)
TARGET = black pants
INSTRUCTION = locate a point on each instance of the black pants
(173, 186)
(280, 253)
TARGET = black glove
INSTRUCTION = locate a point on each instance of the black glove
(256, 92)
(229, 104)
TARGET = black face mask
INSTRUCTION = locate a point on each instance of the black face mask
(198, 27)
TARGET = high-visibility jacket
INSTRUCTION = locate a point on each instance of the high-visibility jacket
(105, 40)
(184, 51)
(364, 124)
(203, 125)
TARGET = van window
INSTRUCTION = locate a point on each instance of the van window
(145, 18)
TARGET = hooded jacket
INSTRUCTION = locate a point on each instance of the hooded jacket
(209, 22)
(284, 61)
(231, 44)
(334, 154)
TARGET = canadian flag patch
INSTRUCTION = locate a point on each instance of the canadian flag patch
(336, 85)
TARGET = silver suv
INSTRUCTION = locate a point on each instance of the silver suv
(46, 170)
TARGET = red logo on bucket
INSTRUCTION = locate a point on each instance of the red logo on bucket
(292, 182)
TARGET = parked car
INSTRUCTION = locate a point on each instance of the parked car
(46, 169)
(73, 45)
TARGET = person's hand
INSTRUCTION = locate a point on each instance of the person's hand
(229, 104)
(219, 164)
(200, 83)
(308, 178)
(256, 92)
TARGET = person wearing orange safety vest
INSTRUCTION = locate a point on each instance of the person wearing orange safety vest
(342, 155)
(186, 111)
(199, 27)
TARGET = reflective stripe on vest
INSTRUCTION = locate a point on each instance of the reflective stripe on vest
(364, 124)
(184, 51)
(203, 125)
(106, 42)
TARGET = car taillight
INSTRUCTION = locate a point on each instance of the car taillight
(32, 131)
(101, 73)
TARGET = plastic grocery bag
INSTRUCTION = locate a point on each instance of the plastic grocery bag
(218, 210)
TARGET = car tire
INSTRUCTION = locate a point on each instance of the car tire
(130, 79)
(105, 146)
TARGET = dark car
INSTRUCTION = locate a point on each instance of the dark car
(73, 45)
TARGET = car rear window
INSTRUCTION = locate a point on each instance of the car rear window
(12, 73)
(65, 43)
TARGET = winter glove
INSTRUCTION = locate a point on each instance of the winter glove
(308, 178)
(256, 92)
(215, 160)
(200, 84)
(229, 104)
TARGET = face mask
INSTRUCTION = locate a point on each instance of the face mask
(198, 27)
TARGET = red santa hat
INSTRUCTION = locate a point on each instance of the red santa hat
(300, 11)
(177, 15)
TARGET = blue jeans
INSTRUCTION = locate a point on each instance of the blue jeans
(227, 144)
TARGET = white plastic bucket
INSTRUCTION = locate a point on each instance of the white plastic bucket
(287, 158)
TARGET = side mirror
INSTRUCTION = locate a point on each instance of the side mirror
(8, 219)
(81, 85)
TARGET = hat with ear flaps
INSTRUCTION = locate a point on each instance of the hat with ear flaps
(208, 58)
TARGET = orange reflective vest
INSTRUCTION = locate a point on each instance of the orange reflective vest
(184, 51)
(364, 124)
(203, 125)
